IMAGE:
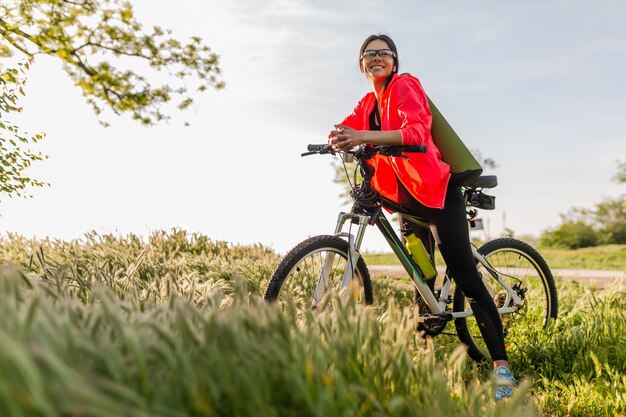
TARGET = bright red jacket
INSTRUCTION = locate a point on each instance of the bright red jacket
(405, 108)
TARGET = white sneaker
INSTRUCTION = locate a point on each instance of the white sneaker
(505, 382)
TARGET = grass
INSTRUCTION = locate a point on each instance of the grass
(174, 326)
(610, 257)
(598, 257)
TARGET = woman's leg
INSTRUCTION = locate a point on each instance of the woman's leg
(452, 228)
(456, 250)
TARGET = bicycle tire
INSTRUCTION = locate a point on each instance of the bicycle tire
(511, 257)
(296, 274)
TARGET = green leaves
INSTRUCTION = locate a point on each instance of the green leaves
(15, 160)
(90, 36)
(620, 176)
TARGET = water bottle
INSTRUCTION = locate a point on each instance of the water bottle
(422, 259)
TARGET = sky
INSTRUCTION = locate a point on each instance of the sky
(537, 86)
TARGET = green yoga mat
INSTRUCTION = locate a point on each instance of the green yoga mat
(463, 166)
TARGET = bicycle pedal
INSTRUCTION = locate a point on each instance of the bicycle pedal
(434, 316)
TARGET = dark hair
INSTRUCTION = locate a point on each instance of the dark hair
(389, 42)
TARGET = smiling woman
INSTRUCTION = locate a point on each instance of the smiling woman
(397, 112)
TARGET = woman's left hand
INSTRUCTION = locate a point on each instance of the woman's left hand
(344, 138)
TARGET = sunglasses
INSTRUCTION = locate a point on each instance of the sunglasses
(383, 53)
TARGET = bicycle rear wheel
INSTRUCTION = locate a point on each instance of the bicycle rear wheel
(523, 268)
(297, 279)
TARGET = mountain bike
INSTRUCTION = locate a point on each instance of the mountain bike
(513, 272)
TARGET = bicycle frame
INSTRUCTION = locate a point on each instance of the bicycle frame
(437, 306)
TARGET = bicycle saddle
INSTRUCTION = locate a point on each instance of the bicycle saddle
(484, 181)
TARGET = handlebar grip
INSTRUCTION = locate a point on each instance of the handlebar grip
(316, 148)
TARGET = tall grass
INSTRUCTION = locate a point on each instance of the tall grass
(174, 326)
(579, 366)
(190, 262)
(233, 355)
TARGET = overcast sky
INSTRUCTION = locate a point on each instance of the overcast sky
(537, 86)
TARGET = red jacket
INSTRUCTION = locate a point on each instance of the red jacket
(405, 108)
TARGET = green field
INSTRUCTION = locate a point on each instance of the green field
(608, 257)
(174, 326)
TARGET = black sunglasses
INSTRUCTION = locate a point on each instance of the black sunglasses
(383, 53)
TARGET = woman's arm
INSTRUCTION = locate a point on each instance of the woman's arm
(409, 114)
(412, 114)
(345, 138)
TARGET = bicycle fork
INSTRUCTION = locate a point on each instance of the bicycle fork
(354, 241)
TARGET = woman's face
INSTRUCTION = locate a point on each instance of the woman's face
(377, 65)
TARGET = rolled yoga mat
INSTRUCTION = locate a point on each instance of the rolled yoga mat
(463, 165)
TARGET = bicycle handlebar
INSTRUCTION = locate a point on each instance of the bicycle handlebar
(316, 148)
(413, 148)
(383, 150)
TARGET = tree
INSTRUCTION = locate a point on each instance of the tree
(109, 56)
(610, 216)
(620, 176)
(485, 162)
(570, 235)
(345, 176)
(14, 159)
(86, 35)
(604, 224)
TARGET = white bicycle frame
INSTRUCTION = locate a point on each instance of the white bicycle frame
(437, 306)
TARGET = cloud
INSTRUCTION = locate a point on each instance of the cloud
(290, 9)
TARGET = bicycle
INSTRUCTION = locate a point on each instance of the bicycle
(514, 273)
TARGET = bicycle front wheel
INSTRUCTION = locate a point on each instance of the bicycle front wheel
(523, 268)
(313, 270)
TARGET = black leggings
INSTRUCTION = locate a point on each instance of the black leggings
(451, 222)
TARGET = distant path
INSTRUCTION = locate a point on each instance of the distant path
(600, 277)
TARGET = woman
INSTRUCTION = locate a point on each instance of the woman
(396, 113)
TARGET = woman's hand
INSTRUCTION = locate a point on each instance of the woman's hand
(344, 138)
